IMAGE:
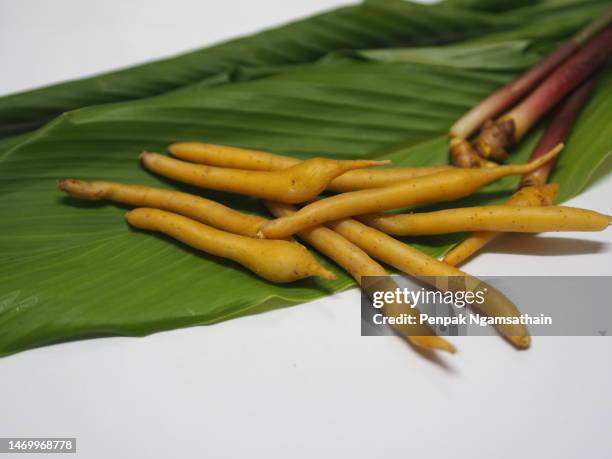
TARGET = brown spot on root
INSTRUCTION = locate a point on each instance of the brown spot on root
(464, 155)
(532, 180)
(494, 139)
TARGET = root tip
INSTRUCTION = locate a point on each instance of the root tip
(432, 342)
(520, 342)
(61, 184)
(144, 155)
(68, 185)
(176, 147)
(554, 152)
(325, 274)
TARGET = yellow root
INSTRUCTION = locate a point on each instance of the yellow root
(354, 260)
(466, 248)
(505, 218)
(543, 195)
(359, 265)
(239, 158)
(378, 178)
(195, 207)
(232, 157)
(276, 261)
(297, 184)
(440, 187)
(441, 275)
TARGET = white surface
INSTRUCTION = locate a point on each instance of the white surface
(300, 382)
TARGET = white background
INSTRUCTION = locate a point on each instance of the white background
(300, 382)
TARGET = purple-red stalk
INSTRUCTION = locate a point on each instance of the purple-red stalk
(511, 93)
(497, 136)
(508, 95)
(558, 130)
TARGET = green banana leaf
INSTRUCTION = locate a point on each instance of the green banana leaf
(71, 269)
(371, 24)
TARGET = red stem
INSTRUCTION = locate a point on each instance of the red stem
(512, 92)
(558, 131)
(516, 89)
(563, 80)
